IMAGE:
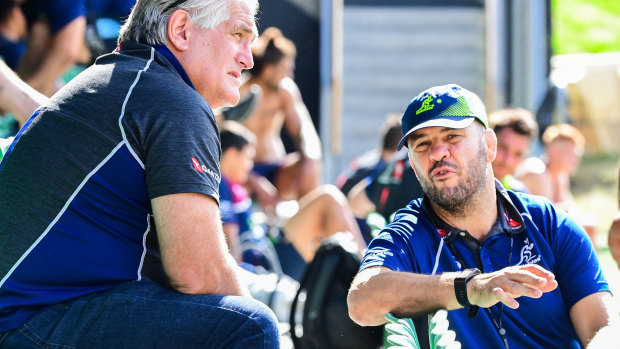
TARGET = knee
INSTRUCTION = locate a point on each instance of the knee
(332, 195)
(261, 322)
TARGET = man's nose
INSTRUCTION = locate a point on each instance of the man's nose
(439, 151)
(244, 57)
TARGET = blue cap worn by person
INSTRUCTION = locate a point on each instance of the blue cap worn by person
(443, 106)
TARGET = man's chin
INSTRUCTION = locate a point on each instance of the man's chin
(230, 100)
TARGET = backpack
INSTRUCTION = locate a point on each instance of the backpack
(320, 304)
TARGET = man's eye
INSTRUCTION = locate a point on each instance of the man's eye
(421, 146)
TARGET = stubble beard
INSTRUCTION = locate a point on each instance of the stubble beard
(458, 200)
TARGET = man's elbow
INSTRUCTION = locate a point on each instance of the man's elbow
(194, 282)
(361, 311)
(189, 286)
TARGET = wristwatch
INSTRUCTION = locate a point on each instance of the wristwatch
(460, 286)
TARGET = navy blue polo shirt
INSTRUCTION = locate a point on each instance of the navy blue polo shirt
(529, 231)
(78, 180)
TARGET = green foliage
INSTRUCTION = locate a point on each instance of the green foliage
(581, 26)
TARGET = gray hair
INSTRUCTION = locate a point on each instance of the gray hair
(148, 20)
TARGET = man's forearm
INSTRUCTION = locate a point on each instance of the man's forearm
(368, 301)
(16, 96)
(404, 294)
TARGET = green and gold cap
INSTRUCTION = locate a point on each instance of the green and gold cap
(442, 106)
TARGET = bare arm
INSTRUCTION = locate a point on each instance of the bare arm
(613, 239)
(368, 303)
(595, 320)
(538, 184)
(265, 192)
(193, 248)
(67, 47)
(17, 97)
(359, 201)
(231, 231)
(298, 122)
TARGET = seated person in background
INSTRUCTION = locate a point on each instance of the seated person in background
(322, 212)
(280, 104)
(389, 191)
(511, 270)
(238, 147)
(514, 128)
(564, 145)
(613, 238)
(56, 38)
(369, 164)
(17, 97)
(13, 31)
(391, 185)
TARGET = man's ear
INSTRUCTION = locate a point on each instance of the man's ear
(178, 30)
(491, 143)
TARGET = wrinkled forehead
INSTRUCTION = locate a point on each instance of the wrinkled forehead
(244, 15)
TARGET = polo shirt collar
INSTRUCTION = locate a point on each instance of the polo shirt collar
(509, 218)
(163, 50)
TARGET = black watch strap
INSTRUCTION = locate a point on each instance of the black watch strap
(460, 286)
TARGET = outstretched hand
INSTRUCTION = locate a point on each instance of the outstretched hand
(507, 284)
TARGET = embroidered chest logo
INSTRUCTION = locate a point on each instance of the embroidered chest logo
(426, 105)
(527, 257)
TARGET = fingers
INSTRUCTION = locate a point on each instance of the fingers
(542, 279)
(505, 298)
(538, 270)
(510, 283)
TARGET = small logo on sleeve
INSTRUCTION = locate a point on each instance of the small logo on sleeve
(197, 165)
(202, 168)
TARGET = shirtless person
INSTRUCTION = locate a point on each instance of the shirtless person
(280, 104)
(564, 146)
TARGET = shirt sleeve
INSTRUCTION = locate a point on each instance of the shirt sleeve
(391, 249)
(578, 270)
(182, 150)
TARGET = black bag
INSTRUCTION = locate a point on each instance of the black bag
(321, 301)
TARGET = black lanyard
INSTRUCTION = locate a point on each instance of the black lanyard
(472, 311)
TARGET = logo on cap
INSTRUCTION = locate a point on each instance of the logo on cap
(448, 106)
(426, 105)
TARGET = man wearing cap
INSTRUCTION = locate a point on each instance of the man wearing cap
(512, 270)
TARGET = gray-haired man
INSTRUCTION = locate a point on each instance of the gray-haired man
(128, 146)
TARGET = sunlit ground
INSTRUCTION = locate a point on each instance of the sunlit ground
(595, 190)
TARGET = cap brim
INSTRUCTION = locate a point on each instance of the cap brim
(449, 121)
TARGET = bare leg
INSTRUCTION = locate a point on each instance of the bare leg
(297, 177)
(322, 212)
